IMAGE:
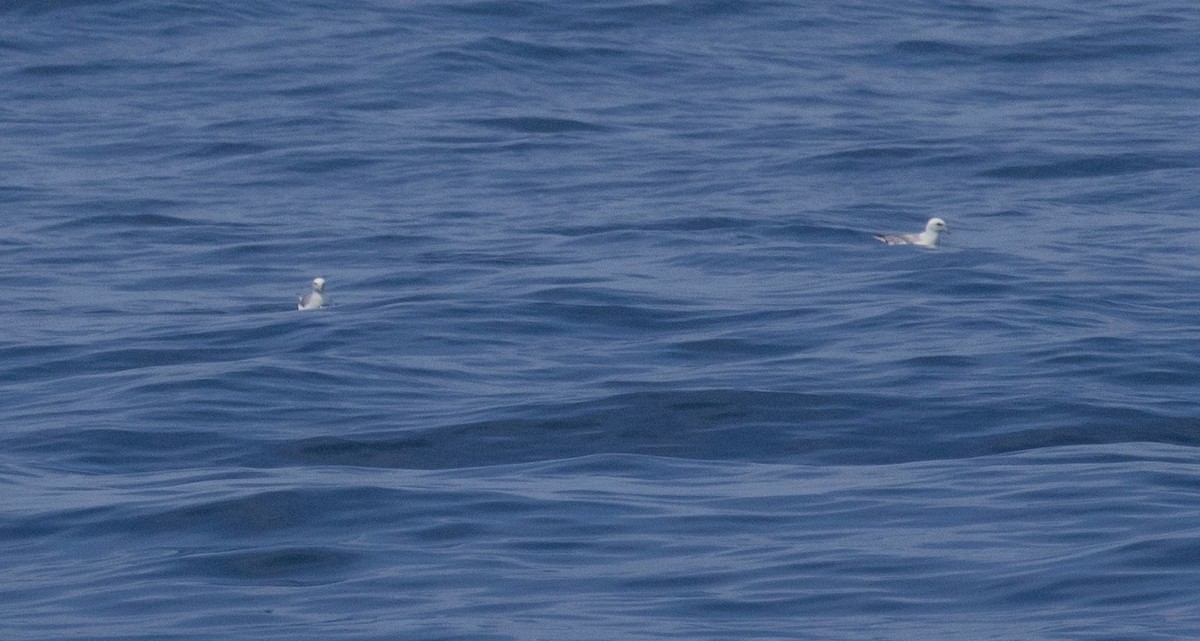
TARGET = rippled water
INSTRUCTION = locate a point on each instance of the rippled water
(612, 353)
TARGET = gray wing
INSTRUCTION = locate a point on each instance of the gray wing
(894, 239)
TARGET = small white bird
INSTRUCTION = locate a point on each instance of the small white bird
(928, 238)
(316, 298)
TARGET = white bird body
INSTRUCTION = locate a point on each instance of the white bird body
(928, 238)
(316, 298)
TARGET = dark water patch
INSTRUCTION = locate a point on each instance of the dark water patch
(21, 193)
(535, 125)
(939, 50)
(296, 566)
(765, 427)
(587, 293)
(1097, 166)
(1082, 425)
(115, 360)
(461, 261)
(105, 450)
(329, 163)
(1091, 47)
(570, 315)
(616, 465)
(889, 156)
(494, 8)
(449, 533)
(683, 224)
(543, 52)
(124, 217)
(53, 71)
(707, 425)
(629, 13)
(641, 12)
(1071, 49)
(259, 513)
(725, 347)
(226, 149)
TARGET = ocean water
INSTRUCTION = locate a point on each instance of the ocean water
(611, 352)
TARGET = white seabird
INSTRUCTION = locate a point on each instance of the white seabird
(316, 298)
(928, 238)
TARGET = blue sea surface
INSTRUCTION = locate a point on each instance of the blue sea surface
(612, 353)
